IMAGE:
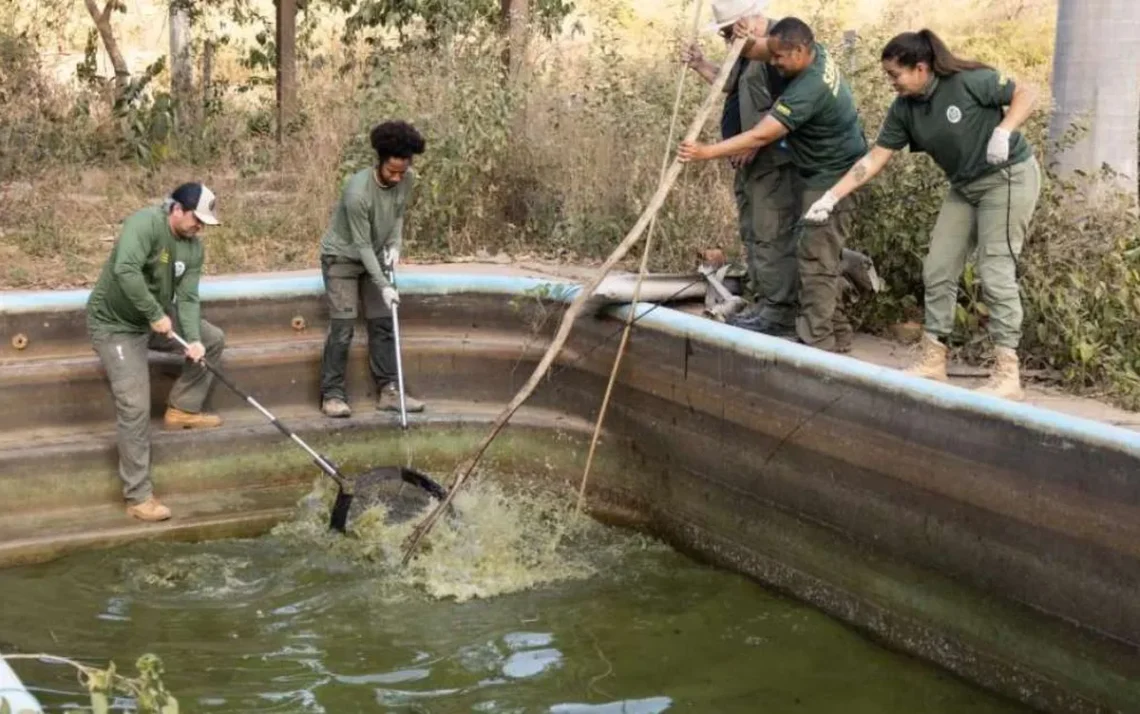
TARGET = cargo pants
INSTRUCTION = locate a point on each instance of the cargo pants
(975, 216)
(124, 358)
(770, 209)
(821, 321)
(347, 285)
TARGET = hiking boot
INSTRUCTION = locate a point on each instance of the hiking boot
(843, 342)
(336, 408)
(178, 419)
(389, 400)
(149, 510)
(761, 324)
(931, 364)
(1005, 378)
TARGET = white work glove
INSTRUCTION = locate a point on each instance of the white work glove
(820, 211)
(196, 351)
(390, 297)
(391, 257)
(997, 151)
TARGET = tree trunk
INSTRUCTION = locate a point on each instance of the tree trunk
(1096, 83)
(102, 19)
(286, 64)
(181, 68)
(514, 19)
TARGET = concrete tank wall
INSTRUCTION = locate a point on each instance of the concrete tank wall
(996, 539)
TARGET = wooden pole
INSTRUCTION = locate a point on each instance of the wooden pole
(286, 64)
(464, 470)
(669, 149)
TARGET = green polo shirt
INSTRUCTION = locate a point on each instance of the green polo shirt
(825, 135)
(367, 219)
(953, 123)
(149, 273)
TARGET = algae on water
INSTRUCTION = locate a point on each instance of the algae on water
(496, 541)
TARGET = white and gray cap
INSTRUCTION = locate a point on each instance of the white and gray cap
(199, 199)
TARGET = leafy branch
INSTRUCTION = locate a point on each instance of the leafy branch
(147, 688)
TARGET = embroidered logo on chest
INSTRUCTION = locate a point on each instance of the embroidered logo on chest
(953, 114)
(179, 268)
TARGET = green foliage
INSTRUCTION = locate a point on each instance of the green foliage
(435, 19)
(146, 687)
(560, 162)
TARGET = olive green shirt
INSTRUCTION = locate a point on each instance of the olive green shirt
(367, 219)
(149, 274)
(825, 135)
(759, 86)
(953, 123)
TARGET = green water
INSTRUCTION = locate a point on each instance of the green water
(285, 624)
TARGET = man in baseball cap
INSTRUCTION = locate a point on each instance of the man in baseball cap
(197, 199)
(147, 289)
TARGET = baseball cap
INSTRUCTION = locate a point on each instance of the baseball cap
(199, 199)
(727, 12)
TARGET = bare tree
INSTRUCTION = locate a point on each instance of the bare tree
(1096, 81)
(181, 65)
(102, 19)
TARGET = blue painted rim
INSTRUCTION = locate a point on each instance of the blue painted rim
(827, 365)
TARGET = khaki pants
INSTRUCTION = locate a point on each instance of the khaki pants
(348, 285)
(976, 216)
(124, 358)
(821, 321)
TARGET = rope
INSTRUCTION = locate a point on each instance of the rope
(464, 470)
(640, 276)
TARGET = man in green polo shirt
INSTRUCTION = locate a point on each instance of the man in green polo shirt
(151, 275)
(817, 115)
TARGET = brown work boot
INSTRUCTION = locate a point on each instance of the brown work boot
(149, 510)
(336, 408)
(1005, 378)
(178, 419)
(389, 400)
(931, 364)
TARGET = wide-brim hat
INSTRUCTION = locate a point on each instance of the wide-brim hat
(727, 12)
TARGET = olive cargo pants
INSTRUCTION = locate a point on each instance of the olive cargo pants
(348, 284)
(124, 358)
(976, 215)
(769, 210)
(821, 321)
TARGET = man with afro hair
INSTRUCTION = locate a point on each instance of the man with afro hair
(366, 227)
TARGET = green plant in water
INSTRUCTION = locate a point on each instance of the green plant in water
(146, 688)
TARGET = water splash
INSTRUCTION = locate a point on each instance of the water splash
(496, 541)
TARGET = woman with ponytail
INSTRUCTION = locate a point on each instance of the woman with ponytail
(955, 110)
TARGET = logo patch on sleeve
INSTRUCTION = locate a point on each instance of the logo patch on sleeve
(783, 109)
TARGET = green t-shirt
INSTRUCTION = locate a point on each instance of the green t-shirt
(953, 123)
(367, 219)
(149, 273)
(824, 132)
